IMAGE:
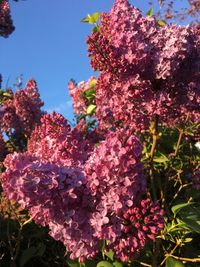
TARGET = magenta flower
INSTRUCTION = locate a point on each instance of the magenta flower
(6, 23)
(22, 111)
(146, 70)
(139, 225)
(79, 195)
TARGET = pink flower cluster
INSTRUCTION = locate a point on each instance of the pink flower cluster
(76, 91)
(54, 140)
(78, 189)
(121, 45)
(140, 225)
(146, 70)
(132, 95)
(22, 111)
(6, 24)
(114, 170)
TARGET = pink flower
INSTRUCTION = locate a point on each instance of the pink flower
(6, 24)
(22, 112)
(140, 224)
(79, 195)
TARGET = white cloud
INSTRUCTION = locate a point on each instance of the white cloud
(61, 108)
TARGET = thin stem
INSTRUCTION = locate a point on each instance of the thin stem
(154, 132)
(186, 259)
(144, 264)
(169, 254)
(179, 142)
(155, 138)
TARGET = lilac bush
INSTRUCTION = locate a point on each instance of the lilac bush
(123, 183)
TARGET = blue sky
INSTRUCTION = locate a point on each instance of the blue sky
(49, 46)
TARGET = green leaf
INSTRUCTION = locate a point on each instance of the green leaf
(104, 264)
(175, 209)
(94, 17)
(72, 263)
(160, 159)
(150, 12)
(171, 262)
(86, 19)
(188, 240)
(93, 83)
(30, 253)
(91, 109)
(181, 226)
(96, 28)
(194, 225)
(102, 245)
(109, 254)
(89, 93)
(161, 22)
(117, 264)
(6, 94)
(90, 263)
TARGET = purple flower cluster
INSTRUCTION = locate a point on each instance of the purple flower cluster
(132, 95)
(140, 225)
(6, 24)
(79, 189)
(22, 111)
(54, 196)
(56, 141)
(139, 102)
(121, 45)
(146, 70)
(114, 177)
(115, 173)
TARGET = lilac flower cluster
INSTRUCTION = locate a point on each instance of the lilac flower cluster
(22, 110)
(114, 177)
(56, 141)
(120, 46)
(132, 95)
(6, 24)
(115, 173)
(146, 70)
(53, 195)
(78, 189)
(140, 225)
